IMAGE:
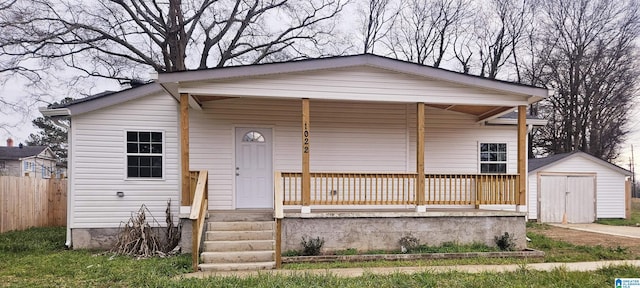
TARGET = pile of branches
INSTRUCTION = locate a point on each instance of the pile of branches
(137, 238)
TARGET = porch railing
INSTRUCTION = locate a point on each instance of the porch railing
(199, 208)
(471, 189)
(351, 188)
(399, 188)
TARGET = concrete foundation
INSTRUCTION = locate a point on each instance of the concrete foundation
(186, 245)
(361, 230)
(94, 238)
(106, 238)
(382, 230)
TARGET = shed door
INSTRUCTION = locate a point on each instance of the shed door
(573, 195)
(254, 176)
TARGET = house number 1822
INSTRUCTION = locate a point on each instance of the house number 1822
(305, 144)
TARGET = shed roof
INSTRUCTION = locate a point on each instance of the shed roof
(536, 164)
(17, 153)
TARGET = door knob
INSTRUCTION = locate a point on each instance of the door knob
(237, 171)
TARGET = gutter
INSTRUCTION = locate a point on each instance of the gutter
(56, 112)
(504, 121)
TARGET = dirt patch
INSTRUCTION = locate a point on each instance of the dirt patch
(588, 238)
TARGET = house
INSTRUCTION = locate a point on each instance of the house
(576, 188)
(32, 161)
(342, 147)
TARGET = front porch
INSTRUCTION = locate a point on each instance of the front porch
(372, 144)
(365, 211)
(362, 210)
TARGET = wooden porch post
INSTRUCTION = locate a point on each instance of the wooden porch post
(522, 154)
(420, 201)
(184, 149)
(306, 174)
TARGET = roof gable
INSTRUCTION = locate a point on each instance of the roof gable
(337, 62)
(537, 164)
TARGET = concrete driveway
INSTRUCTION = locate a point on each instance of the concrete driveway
(624, 231)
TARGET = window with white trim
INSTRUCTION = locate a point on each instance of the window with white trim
(493, 157)
(144, 154)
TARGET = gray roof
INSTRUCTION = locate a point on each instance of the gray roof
(166, 81)
(538, 163)
(16, 153)
(85, 99)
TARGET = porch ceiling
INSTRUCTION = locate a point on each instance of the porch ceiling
(481, 111)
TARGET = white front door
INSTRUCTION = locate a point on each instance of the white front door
(254, 175)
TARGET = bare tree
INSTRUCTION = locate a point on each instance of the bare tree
(587, 54)
(425, 30)
(377, 17)
(500, 30)
(119, 39)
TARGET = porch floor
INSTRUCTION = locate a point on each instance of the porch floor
(393, 213)
(379, 212)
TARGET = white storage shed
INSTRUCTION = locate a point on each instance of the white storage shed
(576, 188)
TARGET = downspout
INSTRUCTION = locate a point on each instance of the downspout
(69, 185)
(56, 114)
(63, 125)
(69, 181)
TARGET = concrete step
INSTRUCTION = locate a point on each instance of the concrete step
(240, 245)
(241, 215)
(239, 235)
(237, 266)
(237, 257)
(240, 226)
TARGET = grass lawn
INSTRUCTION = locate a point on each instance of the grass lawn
(37, 258)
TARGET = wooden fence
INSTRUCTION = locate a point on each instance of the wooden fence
(30, 202)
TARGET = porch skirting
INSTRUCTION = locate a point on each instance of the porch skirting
(382, 230)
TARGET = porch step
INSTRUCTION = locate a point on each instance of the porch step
(240, 226)
(239, 235)
(237, 266)
(240, 216)
(238, 256)
(239, 241)
(239, 245)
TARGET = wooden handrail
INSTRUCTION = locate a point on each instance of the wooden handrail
(199, 209)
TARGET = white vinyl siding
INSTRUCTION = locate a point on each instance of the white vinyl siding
(355, 83)
(532, 196)
(451, 141)
(610, 198)
(98, 163)
(345, 137)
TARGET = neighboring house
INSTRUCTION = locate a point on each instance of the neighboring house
(32, 161)
(360, 150)
(576, 188)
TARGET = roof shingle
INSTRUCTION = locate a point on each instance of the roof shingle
(15, 153)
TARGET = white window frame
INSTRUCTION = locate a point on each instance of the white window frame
(127, 154)
(505, 162)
